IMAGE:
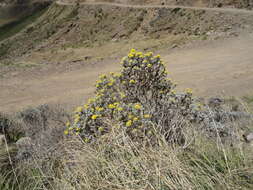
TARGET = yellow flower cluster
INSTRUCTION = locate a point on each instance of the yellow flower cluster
(147, 116)
(137, 106)
(188, 90)
(129, 123)
(132, 81)
(79, 109)
(94, 117)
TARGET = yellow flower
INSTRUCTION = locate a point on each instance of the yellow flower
(149, 65)
(77, 133)
(148, 54)
(146, 116)
(101, 129)
(99, 108)
(99, 81)
(118, 75)
(91, 100)
(188, 91)
(66, 132)
(132, 81)
(111, 106)
(68, 124)
(173, 91)
(102, 76)
(116, 104)
(137, 106)
(139, 54)
(135, 119)
(120, 109)
(129, 123)
(158, 56)
(86, 106)
(133, 51)
(130, 55)
(93, 117)
(79, 109)
(110, 83)
(145, 61)
(130, 116)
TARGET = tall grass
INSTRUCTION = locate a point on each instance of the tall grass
(116, 162)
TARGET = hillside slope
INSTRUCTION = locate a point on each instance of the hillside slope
(67, 25)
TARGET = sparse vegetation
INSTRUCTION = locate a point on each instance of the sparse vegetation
(137, 133)
(139, 99)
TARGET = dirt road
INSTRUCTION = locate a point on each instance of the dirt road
(215, 68)
(240, 11)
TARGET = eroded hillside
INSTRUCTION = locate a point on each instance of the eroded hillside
(68, 25)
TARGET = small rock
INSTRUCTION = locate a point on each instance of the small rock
(2, 140)
(114, 40)
(24, 142)
(87, 58)
(248, 137)
(215, 102)
(174, 46)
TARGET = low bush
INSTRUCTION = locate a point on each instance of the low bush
(142, 100)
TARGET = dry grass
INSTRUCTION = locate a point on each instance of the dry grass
(118, 163)
(115, 162)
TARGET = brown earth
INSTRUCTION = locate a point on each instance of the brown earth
(219, 67)
(214, 68)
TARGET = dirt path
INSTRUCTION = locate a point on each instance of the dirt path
(240, 11)
(215, 68)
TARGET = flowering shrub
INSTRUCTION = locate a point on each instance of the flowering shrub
(141, 100)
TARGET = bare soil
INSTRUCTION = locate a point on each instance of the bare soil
(213, 68)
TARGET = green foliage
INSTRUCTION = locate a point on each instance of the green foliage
(140, 99)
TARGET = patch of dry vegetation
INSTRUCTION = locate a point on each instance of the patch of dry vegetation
(109, 150)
